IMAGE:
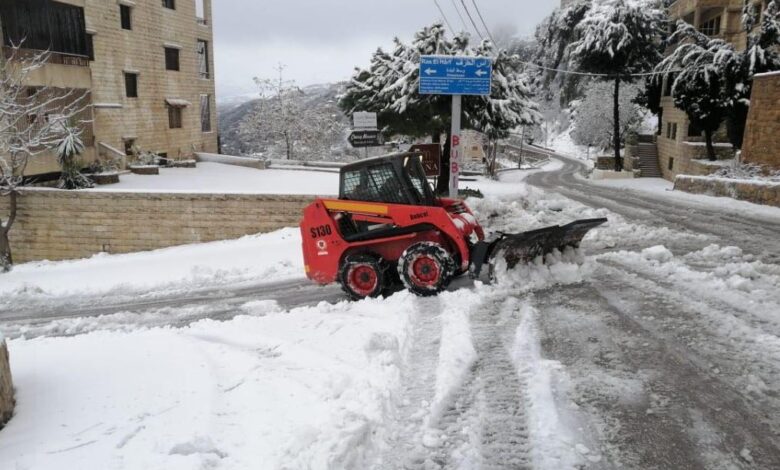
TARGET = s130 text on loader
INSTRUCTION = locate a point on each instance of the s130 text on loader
(387, 224)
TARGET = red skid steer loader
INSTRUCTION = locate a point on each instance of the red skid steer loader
(388, 227)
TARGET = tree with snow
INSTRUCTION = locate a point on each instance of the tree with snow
(617, 39)
(593, 115)
(509, 105)
(30, 126)
(762, 54)
(281, 115)
(698, 87)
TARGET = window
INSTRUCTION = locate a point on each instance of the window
(205, 113)
(671, 130)
(131, 85)
(203, 58)
(671, 164)
(711, 27)
(660, 122)
(129, 144)
(124, 15)
(174, 117)
(169, 4)
(171, 58)
(377, 183)
(200, 12)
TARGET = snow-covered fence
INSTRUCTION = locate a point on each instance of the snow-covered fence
(57, 225)
(6, 385)
(757, 191)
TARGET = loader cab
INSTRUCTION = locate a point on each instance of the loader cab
(392, 179)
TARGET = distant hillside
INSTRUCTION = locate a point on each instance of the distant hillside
(231, 114)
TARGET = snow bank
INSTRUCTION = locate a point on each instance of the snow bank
(256, 258)
(299, 389)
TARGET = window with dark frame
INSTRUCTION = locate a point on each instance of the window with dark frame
(131, 85)
(671, 163)
(203, 58)
(171, 4)
(125, 15)
(174, 117)
(205, 113)
(172, 58)
(710, 27)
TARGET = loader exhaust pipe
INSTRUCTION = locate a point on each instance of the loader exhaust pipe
(524, 247)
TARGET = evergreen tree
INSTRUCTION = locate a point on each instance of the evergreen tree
(698, 87)
(619, 38)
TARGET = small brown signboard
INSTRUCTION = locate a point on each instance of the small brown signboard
(431, 157)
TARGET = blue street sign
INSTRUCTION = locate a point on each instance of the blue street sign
(455, 75)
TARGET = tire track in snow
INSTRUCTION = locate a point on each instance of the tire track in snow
(492, 403)
(737, 353)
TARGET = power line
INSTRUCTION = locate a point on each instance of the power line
(473, 23)
(462, 21)
(444, 16)
(487, 30)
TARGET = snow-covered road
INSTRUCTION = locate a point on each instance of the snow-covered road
(657, 346)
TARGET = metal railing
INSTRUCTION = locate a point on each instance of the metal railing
(60, 58)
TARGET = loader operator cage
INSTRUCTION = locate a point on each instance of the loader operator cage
(395, 179)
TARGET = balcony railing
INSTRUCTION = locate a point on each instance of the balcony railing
(60, 58)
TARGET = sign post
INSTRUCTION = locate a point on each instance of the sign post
(365, 132)
(456, 76)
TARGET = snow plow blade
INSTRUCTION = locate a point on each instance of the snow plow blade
(524, 247)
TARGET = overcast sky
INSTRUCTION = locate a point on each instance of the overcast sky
(321, 41)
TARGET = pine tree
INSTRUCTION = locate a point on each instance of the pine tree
(698, 87)
(619, 38)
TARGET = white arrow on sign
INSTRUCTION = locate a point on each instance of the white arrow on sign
(480, 73)
(430, 71)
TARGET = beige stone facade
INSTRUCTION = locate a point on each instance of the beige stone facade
(762, 135)
(57, 225)
(120, 121)
(678, 144)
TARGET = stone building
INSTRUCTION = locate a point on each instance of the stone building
(681, 148)
(148, 67)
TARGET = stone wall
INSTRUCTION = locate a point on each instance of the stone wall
(762, 134)
(6, 386)
(57, 225)
(753, 191)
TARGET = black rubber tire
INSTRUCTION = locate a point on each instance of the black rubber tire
(434, 253)
(363, 261)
